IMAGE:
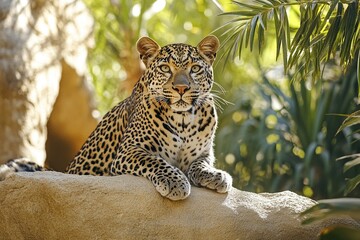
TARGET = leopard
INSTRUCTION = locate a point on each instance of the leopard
(164, 131)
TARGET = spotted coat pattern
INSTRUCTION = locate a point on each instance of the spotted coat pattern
(165, 130)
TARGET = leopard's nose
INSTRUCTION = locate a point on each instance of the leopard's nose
(181, 89)
(181, 83)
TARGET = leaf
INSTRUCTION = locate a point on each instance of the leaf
(310, 151)
(329, 13)
(350, 164)
(358, 74)
(285, 36)
(330, 207)
(318, 38)
(247, 34)
(348, 28)
(252, 31)
(351, 120)
(351, 184)
(333, 31)
(313, 25)
(239, 13)
(267, 4)
(241, 40)
(249, 6)
(278, 32)
(309, 26)
(231, 48)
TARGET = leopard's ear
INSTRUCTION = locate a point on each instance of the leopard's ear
(147, 49)
(208, 48)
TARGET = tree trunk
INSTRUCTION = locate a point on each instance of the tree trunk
(36, 36)
(71, 120)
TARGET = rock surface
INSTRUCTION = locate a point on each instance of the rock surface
(50, 205)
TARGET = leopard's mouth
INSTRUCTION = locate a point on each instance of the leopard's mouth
(177, 103)
(181, 106)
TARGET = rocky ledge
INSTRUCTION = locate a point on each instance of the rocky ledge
(50, 205)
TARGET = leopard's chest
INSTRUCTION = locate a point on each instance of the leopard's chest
(184, 137)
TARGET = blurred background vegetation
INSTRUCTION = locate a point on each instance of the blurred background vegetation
(278, 126)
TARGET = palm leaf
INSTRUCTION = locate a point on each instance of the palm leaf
(325, 28)
(350, 120)
(352, 163)
(351, 184)
(330, 207)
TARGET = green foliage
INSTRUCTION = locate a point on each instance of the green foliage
(289, 139)
(334, 207)
(117, 29)
(330, 207)
(352, 119)
(326, 29)
(308, 34)
(352, 165)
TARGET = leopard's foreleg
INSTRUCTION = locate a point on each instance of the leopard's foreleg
(168, 180)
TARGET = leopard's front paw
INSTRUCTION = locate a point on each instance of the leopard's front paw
(222, 182)
(174, 186)
(211, 178)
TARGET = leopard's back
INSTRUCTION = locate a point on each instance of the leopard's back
(99, 150)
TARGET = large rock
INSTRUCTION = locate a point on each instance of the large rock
(50, 205)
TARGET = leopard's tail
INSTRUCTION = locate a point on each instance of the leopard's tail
(19, 165)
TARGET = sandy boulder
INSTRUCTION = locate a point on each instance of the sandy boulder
(50, 205)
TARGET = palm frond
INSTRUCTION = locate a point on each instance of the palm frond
(326, 28)
(330, 207)
(350, 120)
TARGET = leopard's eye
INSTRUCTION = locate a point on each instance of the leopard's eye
(165, 68)
(195, 68)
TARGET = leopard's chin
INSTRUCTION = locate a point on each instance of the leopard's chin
(181, 106)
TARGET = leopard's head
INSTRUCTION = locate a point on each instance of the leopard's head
(178, 75)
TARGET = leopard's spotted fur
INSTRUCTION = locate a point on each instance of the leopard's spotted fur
(164, 131)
